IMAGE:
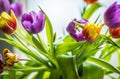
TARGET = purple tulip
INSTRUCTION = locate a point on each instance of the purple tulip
(1, 64)
(17, 7)
(4, 6)
(33, 22)
(75, 31)
(111, 16)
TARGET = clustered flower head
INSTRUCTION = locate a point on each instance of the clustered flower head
(112, 19)
(9, 59)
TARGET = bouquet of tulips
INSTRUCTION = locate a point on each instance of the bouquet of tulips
(84, 53)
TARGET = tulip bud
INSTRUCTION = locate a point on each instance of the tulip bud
(33, 22)
(9, 58)
(17, 7)
(115, 32)
(4, 6)
(111, 16)
(8, 23)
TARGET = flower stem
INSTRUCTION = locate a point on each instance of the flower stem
(12, 74)
(42, 43)
(77, 23)
(31, 52)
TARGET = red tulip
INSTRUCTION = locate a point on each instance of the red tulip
(91, 31)
(115, 32)
(90, 1)
(8, 23)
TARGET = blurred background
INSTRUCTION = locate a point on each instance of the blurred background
(61, 12)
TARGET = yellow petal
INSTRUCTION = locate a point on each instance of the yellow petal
(2, 22)
(5, 16)
(12, 14)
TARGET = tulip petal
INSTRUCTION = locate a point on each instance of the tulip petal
(111, 18)
(33, 22)
(27, 25)
(17, 7)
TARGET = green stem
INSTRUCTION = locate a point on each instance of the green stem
(12, 74)
(21, 42)
(41, 41)
(37, 57)
(31, 52)
(54, 74)
(32, 69)
(52, 59)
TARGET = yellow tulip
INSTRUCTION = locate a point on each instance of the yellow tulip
(8, 22)
(91, 31)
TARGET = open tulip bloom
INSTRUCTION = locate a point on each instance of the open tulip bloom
(84, 52)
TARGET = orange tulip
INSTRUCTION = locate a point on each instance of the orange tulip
(91, 31)
(115, 32)
(8, 23)
(90, 1)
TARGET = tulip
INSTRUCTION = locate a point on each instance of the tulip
(17, 7)
(8, 23)
(74, 30)
(1, 64)
(115, 32)
(90, 1)
(4, 6)
(91, 31)
(111, 16)
(9, 58)
(33, 22)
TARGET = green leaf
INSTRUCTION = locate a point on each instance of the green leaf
(118, 58)
(24, 50)
(103, 64)
(12, 74)
(68, 38)
(66, 47)
(49, 33)
(110, 41)
(67, 65)
(90, 11)
(92, 71)
(38, 45)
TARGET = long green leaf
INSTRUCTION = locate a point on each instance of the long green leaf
(66, 47)
(49, 33)
(90, 11)
(12, 74)
(110, 41)
(68, 66)
(118, 58)
(104, 64)
(92, 71)
(24, 50)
